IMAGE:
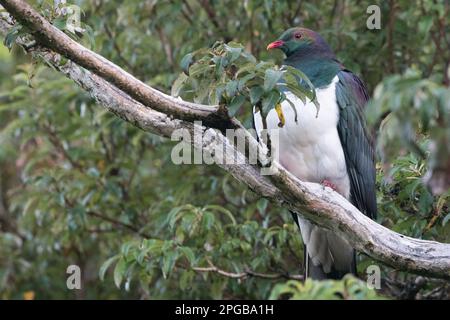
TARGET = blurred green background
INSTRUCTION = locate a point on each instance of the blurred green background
(80, 186)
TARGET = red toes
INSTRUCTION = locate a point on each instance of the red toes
(327, 183)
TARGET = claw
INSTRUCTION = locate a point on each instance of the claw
(329, 184)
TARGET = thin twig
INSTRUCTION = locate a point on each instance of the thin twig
(166, 46)
(119, 223)
(116, 47)
(56, 142)
(206, 5)
(247, 273)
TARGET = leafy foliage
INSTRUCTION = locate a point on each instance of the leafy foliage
(228, 75)
(418, 120)
(350, 288)
(79, 186)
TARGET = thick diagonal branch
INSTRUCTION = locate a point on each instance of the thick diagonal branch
(53, 38)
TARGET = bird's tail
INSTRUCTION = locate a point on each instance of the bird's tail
(318, 272)
(327, 256)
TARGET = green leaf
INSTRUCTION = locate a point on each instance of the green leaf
(188, 253)
(261, 205)
(105, 266)
(291, 104)
(235, 105)
(119, 272)
(269, 102)
(231, 88)
(60, 23)
(446, 220)
(12, 35)
(235, 52)
(271, 78)
(169, 260)
(256, 94)
(186, 62)
(215, 96)
(246, 68)
(197, 69)
(243, 81)
(208, 220)
(178, 84)
(298, 92)
(223, 210)
(311, 94)
(299, 74)
(425, 24)
(186, 279)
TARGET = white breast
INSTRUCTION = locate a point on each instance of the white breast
(311, 148)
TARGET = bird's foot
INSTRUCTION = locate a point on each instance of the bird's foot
(329, 184)
(265, 164)
(30, 45)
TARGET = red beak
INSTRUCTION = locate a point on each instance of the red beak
(275, 44)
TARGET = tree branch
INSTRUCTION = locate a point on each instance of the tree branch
(206, 5)
(322, 206)
(52, 38)
(119, 224)
(247, 273)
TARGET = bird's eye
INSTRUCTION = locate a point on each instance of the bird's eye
(298, 35)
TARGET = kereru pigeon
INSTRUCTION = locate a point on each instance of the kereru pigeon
(332, 147)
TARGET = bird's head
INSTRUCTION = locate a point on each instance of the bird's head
(301, 41)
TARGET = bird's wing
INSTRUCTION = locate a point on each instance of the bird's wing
(351, 96)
